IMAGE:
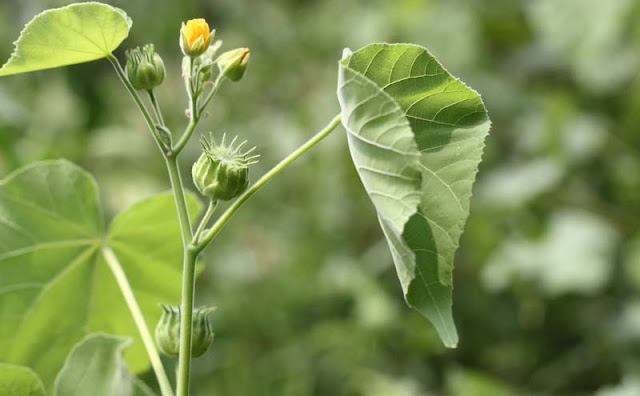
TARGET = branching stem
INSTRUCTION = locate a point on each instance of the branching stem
(224, 218)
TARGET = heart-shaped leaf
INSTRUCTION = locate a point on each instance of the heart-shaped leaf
(73, 34)
(55, 287)
(416, 136)
(95, 367)
(19, 381)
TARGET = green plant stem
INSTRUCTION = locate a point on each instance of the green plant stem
(156, 107)
(136, 98)
(185, 227)
(138, 318)
(186, 313)
(181, 201)
(212, 93)
(205, 219)
(196, 112)
(224, 218)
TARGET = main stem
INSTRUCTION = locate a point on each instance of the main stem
(138, 318)
(224, 218)
(188, 278)
(189, 257)
(186, 313)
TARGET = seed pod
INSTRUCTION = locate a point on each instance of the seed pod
(222, 172)
(168, 331)
(202, 336)
(145, 69)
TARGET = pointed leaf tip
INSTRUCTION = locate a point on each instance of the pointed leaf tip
(416, 136)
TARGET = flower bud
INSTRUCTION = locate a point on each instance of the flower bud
(222, 172)
(202, 336)
(145, 69)
(195, 37)
(234, 63)
(168, 331)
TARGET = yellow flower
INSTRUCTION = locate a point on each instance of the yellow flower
(195, 37)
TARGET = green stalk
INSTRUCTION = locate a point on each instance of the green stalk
(138, 318)
(185, 228)
(156, 107)
(186, 324)
(180, 199)
(136, 98)
(205, 219)
(196, 112)
(224, 218)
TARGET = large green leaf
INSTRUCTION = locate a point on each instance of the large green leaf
(65, 36)
(19, 381)
(416, 136)
(95, 367)
(55, 287)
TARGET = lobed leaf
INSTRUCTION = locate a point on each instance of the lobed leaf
(69, 35)
(416, 136)
(55, 287)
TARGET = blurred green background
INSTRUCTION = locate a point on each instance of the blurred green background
(548, 272)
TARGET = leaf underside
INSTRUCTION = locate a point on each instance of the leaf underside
(69, 35)
(95, 367)
(55, 287)
(416, 136)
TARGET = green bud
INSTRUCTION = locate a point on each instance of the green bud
(202, 336)
(145, 69)
(222, 172)
(234, 63)
(168, 331)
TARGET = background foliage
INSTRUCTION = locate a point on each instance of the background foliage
(548, 273)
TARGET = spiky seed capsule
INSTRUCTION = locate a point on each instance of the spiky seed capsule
(168, 331)
(233, 64)
(222, 172)
(145, 69)
(195, 37)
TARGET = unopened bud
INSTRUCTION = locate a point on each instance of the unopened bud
(195, 37)
(233, 64)
(168, 331)
(145, 69)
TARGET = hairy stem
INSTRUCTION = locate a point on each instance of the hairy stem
(224, 218)
(138, 318)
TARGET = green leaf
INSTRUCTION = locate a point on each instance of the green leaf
(64, 36)
(55, 287)
(416, 136)
(19, 381)
(95, 367)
